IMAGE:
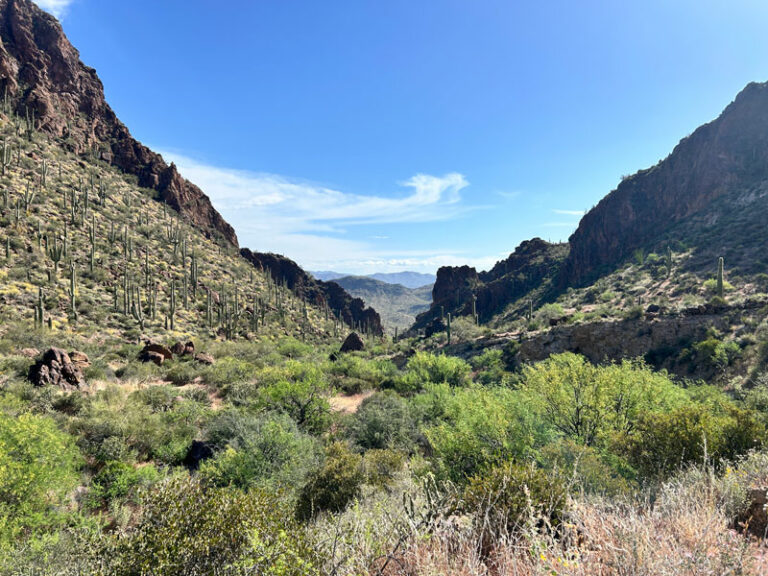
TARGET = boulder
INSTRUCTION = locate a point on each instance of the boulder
(189, 349)
(177, 349)
(57, 369)
(29, 352)
(151, 348)
(204, 358)
(353, 343)
(80, 359)
(154, 357)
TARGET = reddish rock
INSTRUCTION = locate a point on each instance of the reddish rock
(56, 368)
(29, 352)
(68, 100)
(80, 359)
(154, 357)
(177, 349)
(189, 349)
(154, 348)
(204, 358)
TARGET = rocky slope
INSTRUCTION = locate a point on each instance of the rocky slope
(43, 78)
(286, 272)
(724, 158)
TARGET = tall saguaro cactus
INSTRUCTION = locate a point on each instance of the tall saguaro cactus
(720, 281)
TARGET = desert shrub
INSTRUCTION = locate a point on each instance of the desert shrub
(182, 373)
(424, 368)
(353, 374)
(383, 421)
(302, 394)
(267, 450)
(187, 528)
(381, 466)
(591, 403)
(292, 348)
(474, 428)
(662, 442)
(511, 497)
(38, 467)
(714, 353)
(334, 485)
(590, 471)
(227, 371)
(118, 481)
(490, 367)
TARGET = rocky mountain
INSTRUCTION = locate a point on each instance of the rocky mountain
(531, 267)
(44, 82)
(721, 167)
(398, 305)
(286, 272)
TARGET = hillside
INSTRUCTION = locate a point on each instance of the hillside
(397, 304)
(646, 256)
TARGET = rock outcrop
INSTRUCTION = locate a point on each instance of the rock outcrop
(60, 368)
(43, 75)
(285, 271)
(531, 266)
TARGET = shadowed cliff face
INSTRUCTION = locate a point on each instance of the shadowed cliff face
(351, 310)
(728, 155)
(530, 266)
(43, 74)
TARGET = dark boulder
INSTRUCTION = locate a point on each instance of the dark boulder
(353, 343)
(204, 358)
(57, 369)
(151, 351)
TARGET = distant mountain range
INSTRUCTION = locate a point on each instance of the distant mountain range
(397, 305)
(408, 279)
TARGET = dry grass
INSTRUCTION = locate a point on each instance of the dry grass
(685, 527)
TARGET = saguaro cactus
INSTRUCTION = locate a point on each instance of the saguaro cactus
(720, 281)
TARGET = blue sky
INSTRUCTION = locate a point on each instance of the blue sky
(365, 136)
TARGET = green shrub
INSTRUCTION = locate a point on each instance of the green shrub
(227, 371)
(424, 368)
(118, 481)
(511, 498)
(381, 466)
(187, 528)
(182, 373)
(383, 421)
(267, 450)
(38, 467)
(334, 485)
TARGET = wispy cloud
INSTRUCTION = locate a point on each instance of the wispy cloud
(56, 7)
(313, 224)
(569, 212)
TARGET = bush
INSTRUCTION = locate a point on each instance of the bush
(383, 421)
(38, 467)
(334, 485)
(118, 481)
(381, 466)
(511, 497)
(227, 371)
(424, 368)
(267, 450)
(186, 528)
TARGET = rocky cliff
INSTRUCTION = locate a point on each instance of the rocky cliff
(284, 270)
(725, 157)
(530, 267)
(42, 76)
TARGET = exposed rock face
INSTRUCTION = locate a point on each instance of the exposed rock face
(527, 268)
(157, 353)
(352, 310)
(43, 73)
(730, 154)
(56, 368)
(353, 343)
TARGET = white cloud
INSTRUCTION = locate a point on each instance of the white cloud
(308, 222)
(56, 7)
(569, 212)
